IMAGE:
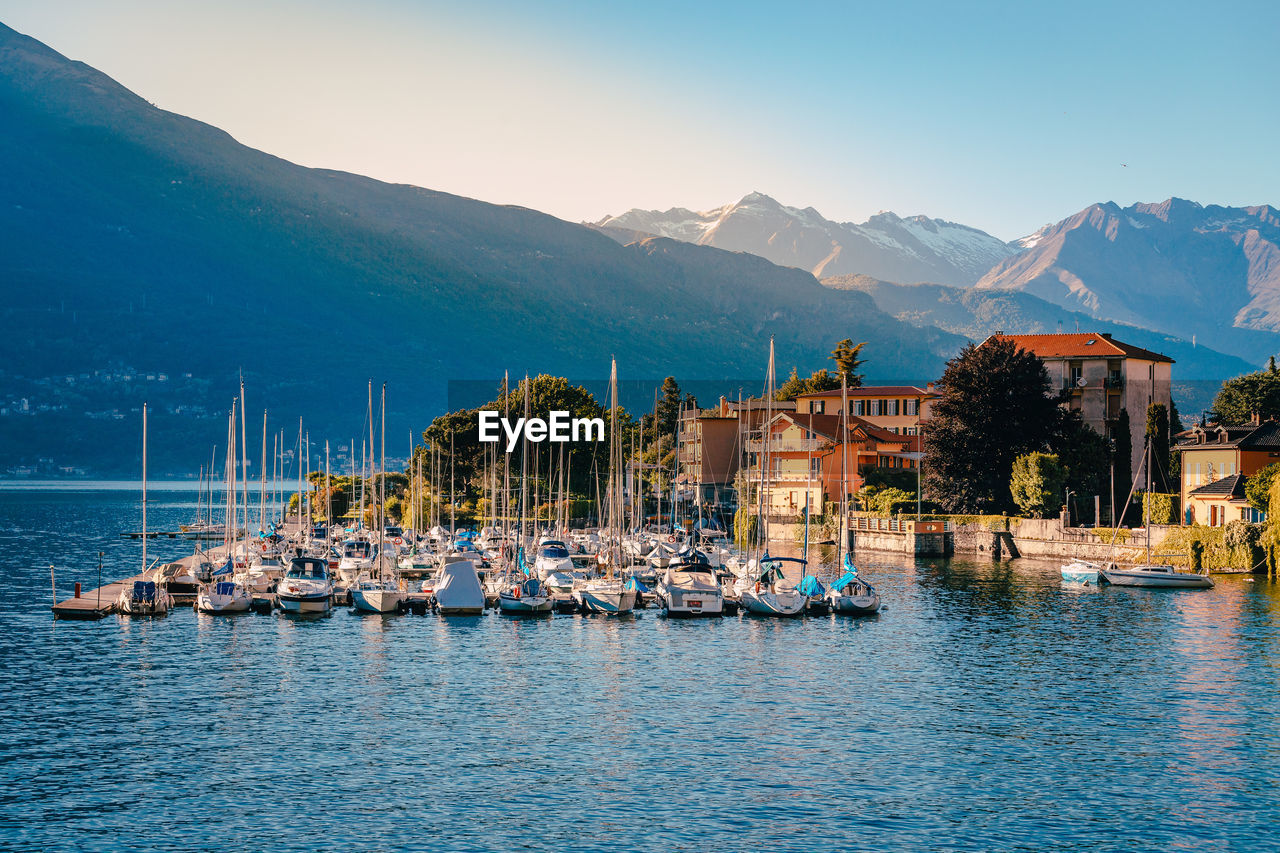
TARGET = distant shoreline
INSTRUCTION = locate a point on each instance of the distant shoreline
(89, 485)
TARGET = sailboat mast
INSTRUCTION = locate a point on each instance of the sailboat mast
(144, 490)
(244, 458)
(262, 488)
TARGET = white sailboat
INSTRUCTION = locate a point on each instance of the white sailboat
(766, 590)
(381, 592)
(611, 594)
(1154, 576)
(850, 594)
(145, 597)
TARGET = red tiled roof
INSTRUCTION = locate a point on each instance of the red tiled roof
(875, 391)
(828, 426)
(1079, 345)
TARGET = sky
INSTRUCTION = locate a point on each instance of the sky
(1003, 116)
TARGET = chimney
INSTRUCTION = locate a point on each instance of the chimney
(1255, 419)
(1106, 335)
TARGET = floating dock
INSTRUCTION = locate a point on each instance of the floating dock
(95, 603)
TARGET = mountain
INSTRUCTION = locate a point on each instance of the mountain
(146, 255)
(1211, 273)
(1198, 373)
(886, 246)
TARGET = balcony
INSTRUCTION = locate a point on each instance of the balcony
(1113, 381)
(803, 445)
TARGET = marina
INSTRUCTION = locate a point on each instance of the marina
(898, 724)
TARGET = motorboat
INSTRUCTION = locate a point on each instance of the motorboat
(553, 556)
(529, 598)
(356, 559)
(224, 596)
(144, 598)
(1156, 577)
(1081, 571)
(606, 595)
(376, 596)
(306, 586)
(689, 588)
(457, 588)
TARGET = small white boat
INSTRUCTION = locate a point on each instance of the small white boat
(850, 595)
(306, 586)
(144, 598)
(606, 596)
(1081, 571)
(690, 589)
(457, 588)
(1156, 577)
(525, 599)
(376, 597)
(356, 560)
(553, 556)
(771, 594)
(224, 597)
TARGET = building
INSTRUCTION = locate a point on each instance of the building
(1102, 377)
(809, 459)
(1217, 462)
(710, 445)
(896, 408)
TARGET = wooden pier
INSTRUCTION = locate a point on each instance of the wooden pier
(95, 603)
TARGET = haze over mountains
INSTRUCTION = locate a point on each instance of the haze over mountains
(137, 243)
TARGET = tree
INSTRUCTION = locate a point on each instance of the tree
(1175, 428)
(1084, 455)
(846, 356)
(1036, 483)
(818, 381)
(1245, 396)
(1158, 434)
(1258, 487)
(994, 406)
(669, 406)
(1122, 462)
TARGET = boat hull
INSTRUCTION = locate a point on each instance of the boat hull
(376, 600)
(855, 605)
(1153, 580)
(306, 603)
(783, 604)
(606, 600)
(533, 605)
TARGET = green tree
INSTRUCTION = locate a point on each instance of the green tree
(669, 406)
(818, 381)
(1122, 462)
(1084, 455)
(1157, 433)
(1175, 428)
(1244, 396)
(994, 405)
(1258, 487)
(1037, 483)
(847, 357)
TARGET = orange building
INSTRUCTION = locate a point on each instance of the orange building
(1217, 462)
(808, 458)
(896, 408)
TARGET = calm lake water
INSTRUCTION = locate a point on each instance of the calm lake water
(988, 707)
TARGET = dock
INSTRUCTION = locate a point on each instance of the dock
(95, 603)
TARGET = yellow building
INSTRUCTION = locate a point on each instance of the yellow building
(896, 408)
(1217, 462)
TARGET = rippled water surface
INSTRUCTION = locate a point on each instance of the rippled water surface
(988, 707)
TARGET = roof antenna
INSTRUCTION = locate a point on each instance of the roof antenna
(1077, 325)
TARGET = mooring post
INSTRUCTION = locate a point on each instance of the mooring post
(53, 582)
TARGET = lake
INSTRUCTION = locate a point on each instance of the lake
(988, 707)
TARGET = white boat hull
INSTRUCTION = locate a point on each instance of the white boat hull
(767, 603)
(1081, 572)
(525, 605)
(606, 599)
(211, 602)
(854, 605)
(1157, 580)
(376, 600)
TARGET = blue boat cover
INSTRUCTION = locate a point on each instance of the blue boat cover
(225, 569)
(811, 586)
(524, 567)
(634, 583)
(225, 588)
(144, 590)
(849, 566)
(844, 580)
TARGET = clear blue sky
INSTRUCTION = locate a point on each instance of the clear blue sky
(1002, 116)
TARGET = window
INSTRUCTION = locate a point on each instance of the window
(875, 408)
(912, 407)
(1199, 475)
(817, 407)
(891, 407)
(815, 465)
(1075, 373)
(859, 407)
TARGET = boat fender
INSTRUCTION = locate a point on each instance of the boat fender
(671, 538)
(516, 592)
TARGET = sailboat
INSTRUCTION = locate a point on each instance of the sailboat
(611, 593)
(1152, 575)
(765, 590)
(381, 593)
(145, 597)
(850, 594)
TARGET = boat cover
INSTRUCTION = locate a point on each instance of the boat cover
(458, 587)
(811, 586)
(844, 580)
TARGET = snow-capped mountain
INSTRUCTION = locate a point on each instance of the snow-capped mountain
(1176, 266)
(886, 246)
